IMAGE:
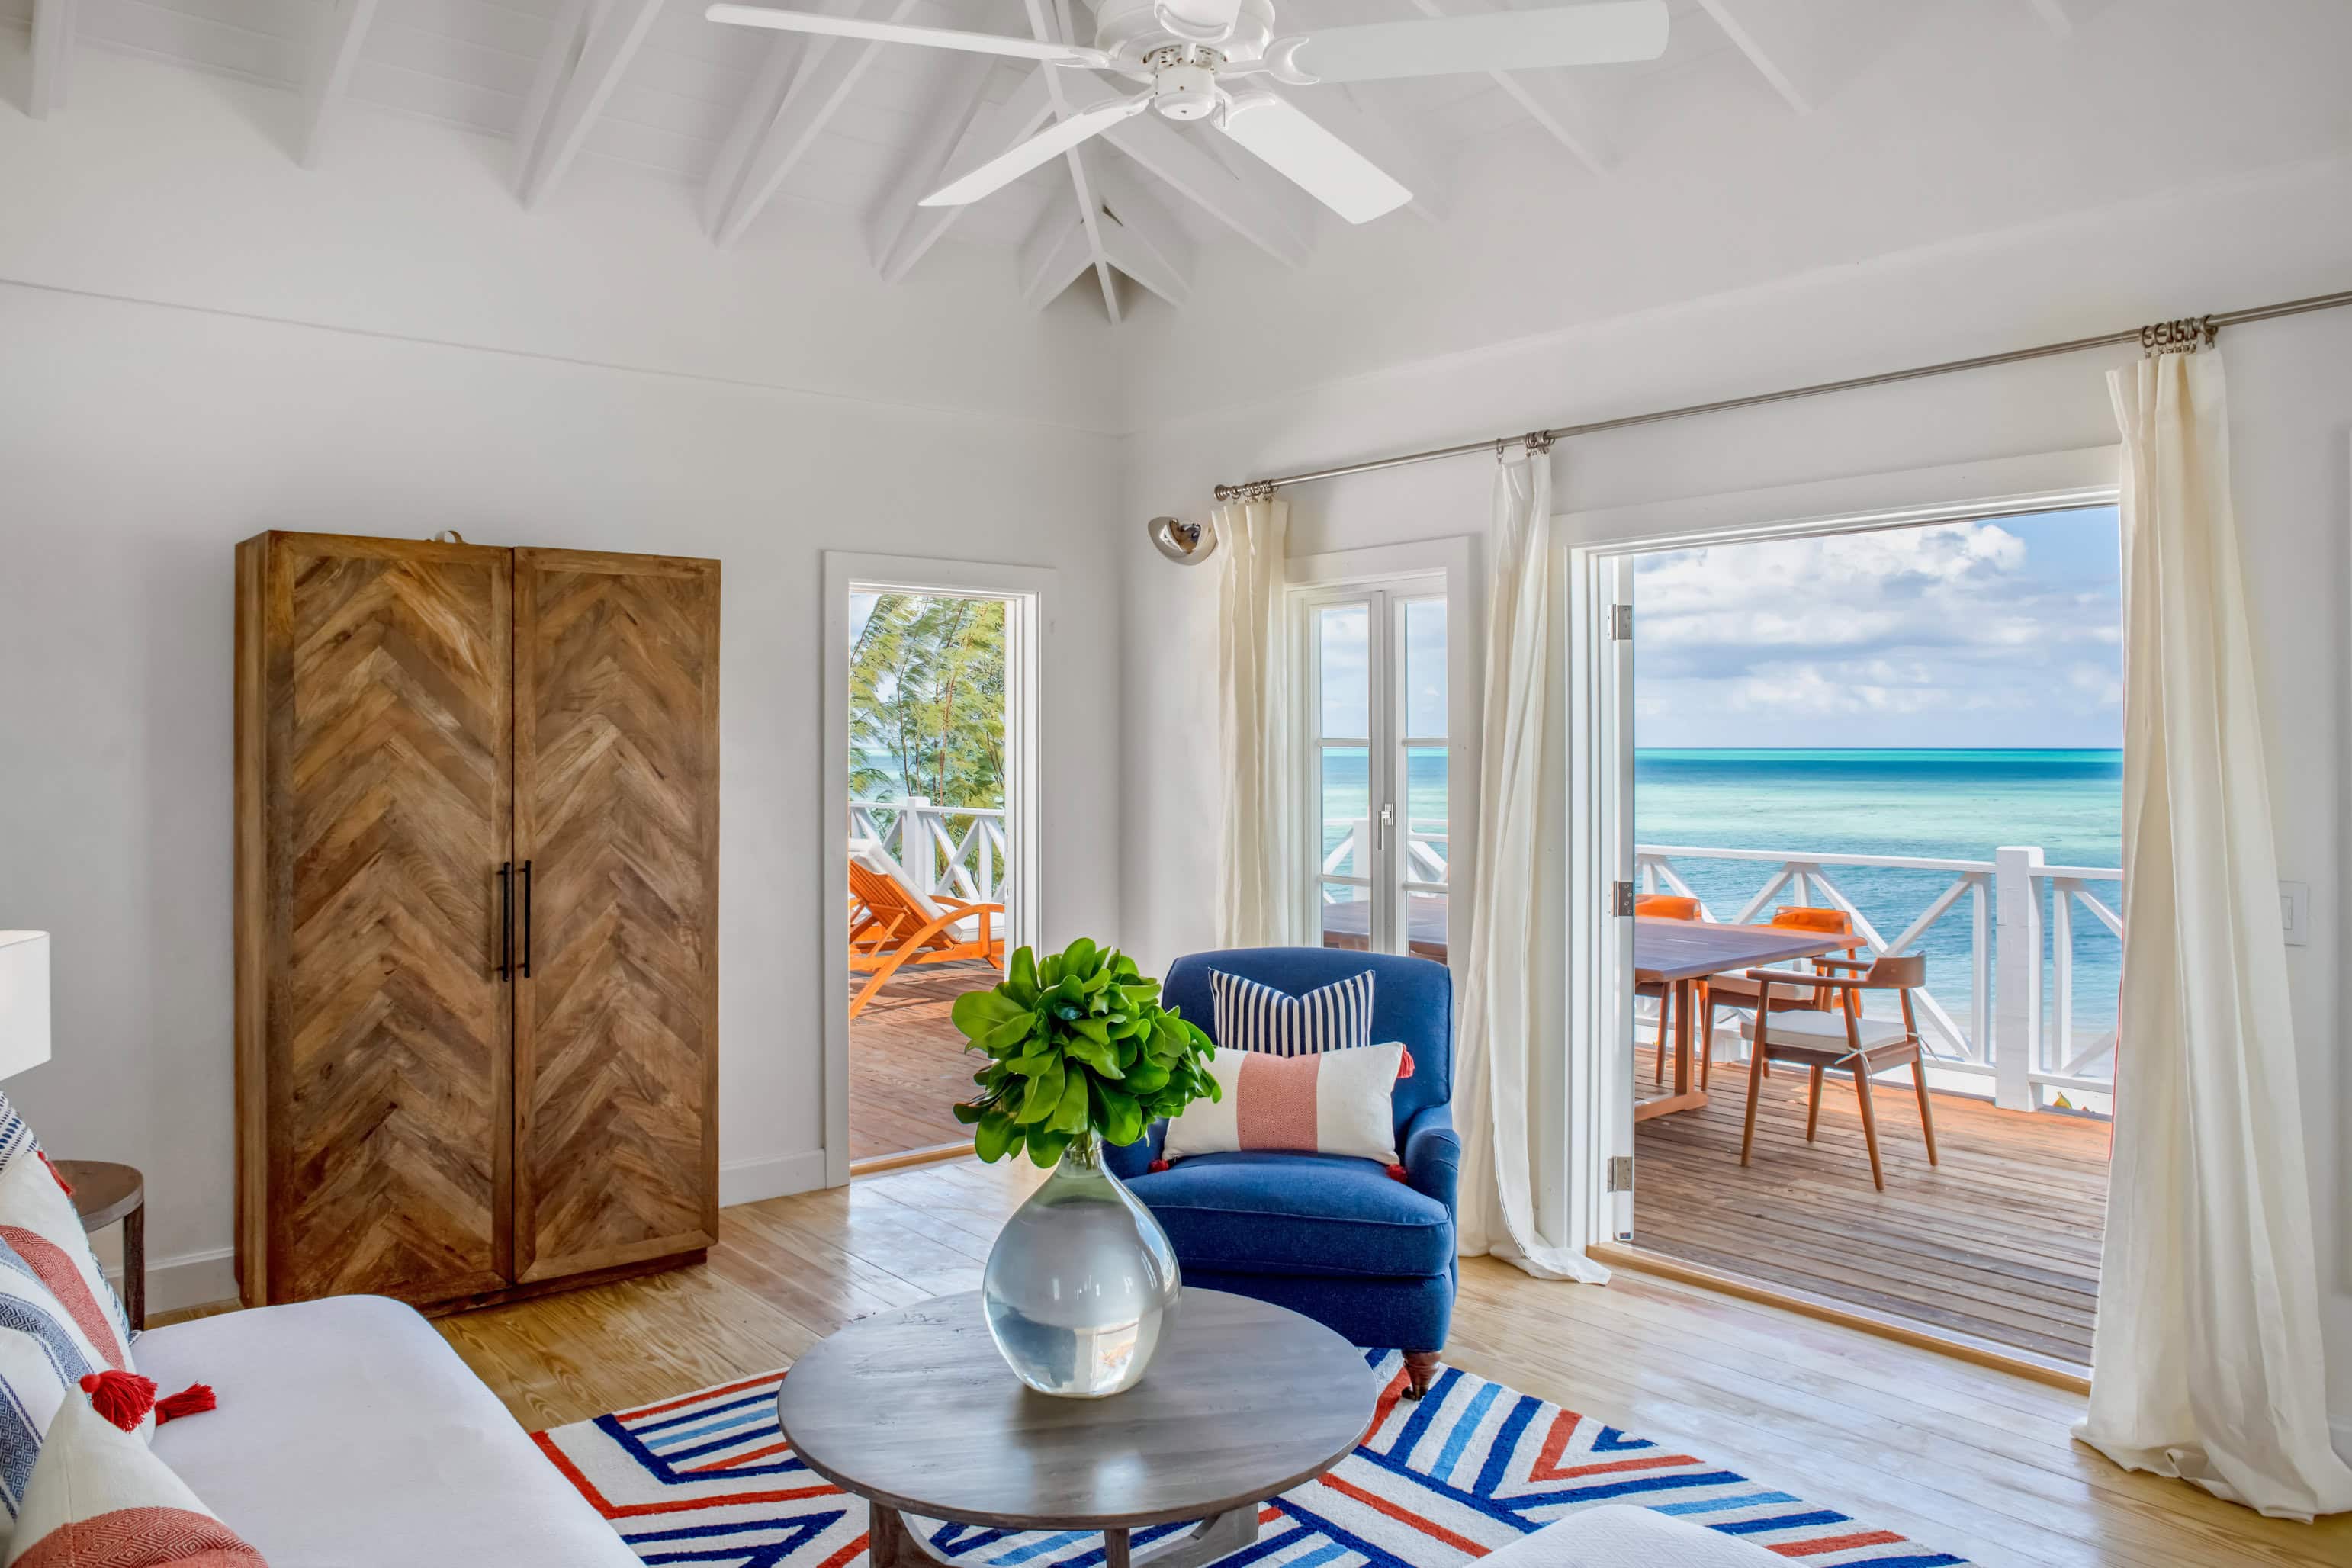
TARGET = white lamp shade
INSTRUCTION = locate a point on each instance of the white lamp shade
(24, 1000)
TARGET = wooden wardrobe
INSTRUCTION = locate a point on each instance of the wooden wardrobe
(477, 917)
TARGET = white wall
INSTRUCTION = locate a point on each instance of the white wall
(2292, 383)
(139, 441)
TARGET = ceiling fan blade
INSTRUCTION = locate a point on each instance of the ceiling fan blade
(1047, 144)
(894, 33)
(1319, 163)
(1499, 40)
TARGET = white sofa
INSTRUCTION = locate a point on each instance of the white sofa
(1623, 1536)
(350, 1435)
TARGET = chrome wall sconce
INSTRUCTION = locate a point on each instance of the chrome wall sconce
(1185, 543)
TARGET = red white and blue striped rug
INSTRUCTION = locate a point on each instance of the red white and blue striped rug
(708, 1478)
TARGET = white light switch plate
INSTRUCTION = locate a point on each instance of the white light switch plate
(2294, 913)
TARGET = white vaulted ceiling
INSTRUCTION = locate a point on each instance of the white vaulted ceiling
(760, 123)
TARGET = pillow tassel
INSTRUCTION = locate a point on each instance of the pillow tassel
(60, 1175)
(1399, 1173)
(1157, 1165)
(193, 1400)
(123, 1397)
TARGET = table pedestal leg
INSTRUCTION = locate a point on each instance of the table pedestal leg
(1680, 997)
(1114, 1545)
(888, 1542)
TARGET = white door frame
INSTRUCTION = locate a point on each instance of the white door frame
(1455, 559)
(1600, 723)
(1026, 592)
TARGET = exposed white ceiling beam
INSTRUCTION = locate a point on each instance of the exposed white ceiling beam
(995, 130)
(1049, 23)
(1176, 158)
(1564, 111)
(591, 50)
(343, 33)
(1805, 49)
(893, 234)
(1140, 236)
(776, 128)
(53, 30)
(1054, 255)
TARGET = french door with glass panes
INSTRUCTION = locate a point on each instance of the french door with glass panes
(1373, 848)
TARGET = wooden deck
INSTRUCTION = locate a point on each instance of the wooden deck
(1999, 1242)
(907, 1062)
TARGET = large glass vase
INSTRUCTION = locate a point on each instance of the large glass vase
(1082, 1283)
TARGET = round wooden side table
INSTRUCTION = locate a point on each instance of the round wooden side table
(104, 1192)
(914, 1411)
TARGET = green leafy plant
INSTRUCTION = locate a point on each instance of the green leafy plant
(1076, 1046)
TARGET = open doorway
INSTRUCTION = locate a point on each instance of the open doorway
(937, 674)
(1892, 756)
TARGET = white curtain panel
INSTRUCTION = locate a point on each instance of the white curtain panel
(1259, 774)
(2207, 1363)
(1511, 1002)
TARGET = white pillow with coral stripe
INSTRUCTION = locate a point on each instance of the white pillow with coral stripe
(100, 1496)
(1324, 1102)
(44, 1233)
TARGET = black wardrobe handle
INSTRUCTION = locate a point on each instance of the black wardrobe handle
(506, 919)
(526, 920)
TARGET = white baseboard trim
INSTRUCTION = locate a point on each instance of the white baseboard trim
(769, 1176)
(191, 1279)
(200, 1279)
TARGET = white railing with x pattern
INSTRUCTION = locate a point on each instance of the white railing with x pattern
(957, 851)
(2027, 1056)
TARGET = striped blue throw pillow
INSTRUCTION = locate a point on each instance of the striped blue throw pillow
(1249, 1016)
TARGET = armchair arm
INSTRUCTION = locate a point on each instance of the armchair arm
(1432, 1153)
(1128, 1160)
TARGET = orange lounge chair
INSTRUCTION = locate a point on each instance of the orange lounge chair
(891, 925)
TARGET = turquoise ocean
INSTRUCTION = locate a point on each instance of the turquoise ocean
(1937, 804)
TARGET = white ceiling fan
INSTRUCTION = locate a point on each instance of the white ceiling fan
(1187, 50)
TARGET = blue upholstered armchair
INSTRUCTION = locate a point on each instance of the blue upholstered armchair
(1339, 1239)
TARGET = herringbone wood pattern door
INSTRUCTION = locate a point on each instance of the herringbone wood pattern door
(616, 755)
(374, 762)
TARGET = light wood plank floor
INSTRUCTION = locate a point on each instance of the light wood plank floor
(1999, 1242)
(1965, 1459)
(907, 1062)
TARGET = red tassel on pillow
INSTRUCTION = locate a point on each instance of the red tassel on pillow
(1397, 1173)
(193, 1400)
(1404, 1068)
(123, 1397)
(54, 1172)
(1158, 1165)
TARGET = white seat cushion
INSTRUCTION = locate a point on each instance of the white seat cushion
(1826, 1030)
(1621, 1535)
(350, 1435)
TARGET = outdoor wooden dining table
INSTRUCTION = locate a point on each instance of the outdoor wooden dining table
(1681, 953)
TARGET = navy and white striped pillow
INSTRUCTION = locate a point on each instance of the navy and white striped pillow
(1253, 1018)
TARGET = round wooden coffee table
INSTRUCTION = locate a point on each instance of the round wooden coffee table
(914, 1411)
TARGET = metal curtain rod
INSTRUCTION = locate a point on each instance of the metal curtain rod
(2163, 335)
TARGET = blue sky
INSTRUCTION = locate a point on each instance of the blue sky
(1999, 632)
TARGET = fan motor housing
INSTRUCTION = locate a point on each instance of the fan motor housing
(1184, 91)
(1131, 29)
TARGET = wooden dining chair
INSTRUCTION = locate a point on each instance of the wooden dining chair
(1663, 907)
(1739, 993)
(1841, 1038)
